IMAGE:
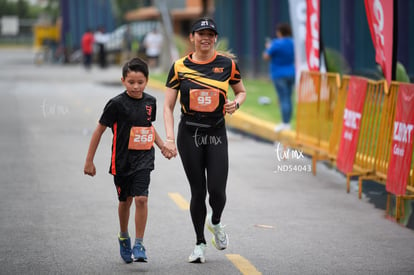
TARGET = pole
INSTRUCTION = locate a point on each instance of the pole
(394, 41)
(168, 29)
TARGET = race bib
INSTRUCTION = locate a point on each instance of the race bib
(204, 100)
(141, 138)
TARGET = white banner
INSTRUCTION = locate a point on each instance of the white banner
(9, 25)
(297, 10)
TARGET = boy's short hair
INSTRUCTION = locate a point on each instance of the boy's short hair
(135, 65)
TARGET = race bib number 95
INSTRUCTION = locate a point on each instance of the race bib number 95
(141, 138)
(204, 100)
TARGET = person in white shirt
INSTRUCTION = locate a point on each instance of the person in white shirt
(153, 46)
(101, 39)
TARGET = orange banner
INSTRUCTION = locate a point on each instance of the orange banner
(357, 88)
(402, 141)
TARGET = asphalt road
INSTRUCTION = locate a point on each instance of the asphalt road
(55, 220)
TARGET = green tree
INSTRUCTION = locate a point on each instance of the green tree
(7, 8)
(22, 9)
(123, 6)
(52, 9)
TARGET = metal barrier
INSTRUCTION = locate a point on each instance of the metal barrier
(317, 95)
(330, 85)
(320, 109)
(338, 118)
(307, 124)
(337, 100)
(383, 151)
(410, 196)
(364, 164)
(46, 39)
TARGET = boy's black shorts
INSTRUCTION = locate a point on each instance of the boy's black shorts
(132, 185)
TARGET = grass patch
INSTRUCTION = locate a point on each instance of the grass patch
(160, 77)
(257, 89)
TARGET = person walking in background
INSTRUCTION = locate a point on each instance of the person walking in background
(127, 44)
(130, 116)
(280, 52)
(87, 48)
(101, 39)
(202, 78)
(153, 46)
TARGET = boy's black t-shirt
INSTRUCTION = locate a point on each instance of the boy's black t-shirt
(120, 114)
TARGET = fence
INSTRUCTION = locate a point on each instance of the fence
(24, 35)
(317, 96)
(320, 112)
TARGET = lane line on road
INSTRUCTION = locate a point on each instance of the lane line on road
(243, 265)
(179, 200)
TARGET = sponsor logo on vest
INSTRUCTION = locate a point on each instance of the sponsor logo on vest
(218, 70)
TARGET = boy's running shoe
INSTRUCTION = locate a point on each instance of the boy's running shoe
(220, 239)
(138, 253)
(125, 249)
(198, 254)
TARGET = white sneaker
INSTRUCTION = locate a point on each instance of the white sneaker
(220, 239)
(281, 127)
(198, 254)
(287, 126)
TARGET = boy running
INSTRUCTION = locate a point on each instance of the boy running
(130, 116)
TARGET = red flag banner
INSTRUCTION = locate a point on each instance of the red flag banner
(402, 141)
(357, 89)
(380, 14)
(312, 34)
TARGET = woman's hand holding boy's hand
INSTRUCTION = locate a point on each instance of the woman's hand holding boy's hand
(169, 150)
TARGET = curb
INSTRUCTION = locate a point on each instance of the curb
(155, 84)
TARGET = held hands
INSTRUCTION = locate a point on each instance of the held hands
(169, 149)
(230, 106)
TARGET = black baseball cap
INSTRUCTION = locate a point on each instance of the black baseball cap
(203, 24)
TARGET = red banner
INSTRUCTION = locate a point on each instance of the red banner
(312, 34)
(380, 14)
(357, 89)
(402, 141)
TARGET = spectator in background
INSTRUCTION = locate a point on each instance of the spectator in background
(127, 44)
(87, 48)
(153, 46)
(280, 52)
(101, 39)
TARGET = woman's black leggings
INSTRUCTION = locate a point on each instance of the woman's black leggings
(204, 154)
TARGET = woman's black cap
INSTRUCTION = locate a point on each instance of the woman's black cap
(203, 24)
